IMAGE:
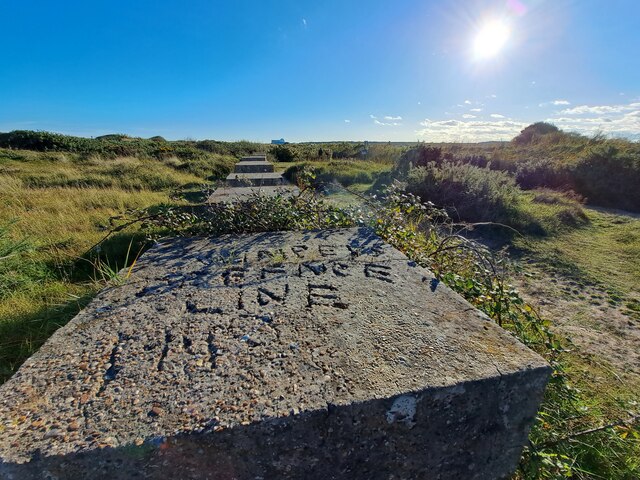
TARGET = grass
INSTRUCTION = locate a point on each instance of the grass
(545, 213)
(53, 208)
(605, 250)
(52, 285)
(33, 170)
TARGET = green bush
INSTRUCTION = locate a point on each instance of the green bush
(467, 192)
(534, 132)
(282, 153)
(545, 173)
(117, 145)
(609, 178)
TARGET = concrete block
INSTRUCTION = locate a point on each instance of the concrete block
(257, 157)
(253, 167)
(255, 179)
(316, 355)
(241, 194)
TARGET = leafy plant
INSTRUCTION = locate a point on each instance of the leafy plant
(282, 153)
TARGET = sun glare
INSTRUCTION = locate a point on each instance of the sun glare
(490, 39)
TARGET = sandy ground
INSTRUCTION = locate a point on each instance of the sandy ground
(596, 326)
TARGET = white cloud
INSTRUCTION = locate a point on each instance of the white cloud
(469, 131)
(304, 22)
(387, 124)
(347, 121)
(468, 115)
(627, 125)
(615, 120)
(600, 109)
(475, 110)
(467, 102)
(391, 121)
(554, 102)
(496, 115)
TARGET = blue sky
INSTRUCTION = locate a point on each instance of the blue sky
(400, 70)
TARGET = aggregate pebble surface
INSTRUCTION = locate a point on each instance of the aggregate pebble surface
(212, 335)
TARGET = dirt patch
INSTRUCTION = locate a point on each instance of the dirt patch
(596, 322)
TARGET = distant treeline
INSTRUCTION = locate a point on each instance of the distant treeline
(118, 145)
(125, 146)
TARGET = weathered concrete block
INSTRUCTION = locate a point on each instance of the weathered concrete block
(241, 194)
(253, 167)
(255, 179)
(279, 355)
(256, 157)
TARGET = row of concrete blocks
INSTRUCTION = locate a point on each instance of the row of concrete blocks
(255, 171)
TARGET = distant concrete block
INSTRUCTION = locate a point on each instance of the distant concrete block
(319, 355)
(255, 179)
(242, 194)
(257, 157)
(253, 167)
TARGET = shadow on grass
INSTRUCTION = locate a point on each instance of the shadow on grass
(104, 261)
(196, 193)
(21, 335)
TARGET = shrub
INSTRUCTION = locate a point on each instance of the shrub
(419, 156)
(534, 132)
(282, 153)
(470, 193)
(609, 177)
(544, 172)
(118, 145)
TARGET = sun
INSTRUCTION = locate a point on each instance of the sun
(490, 39)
